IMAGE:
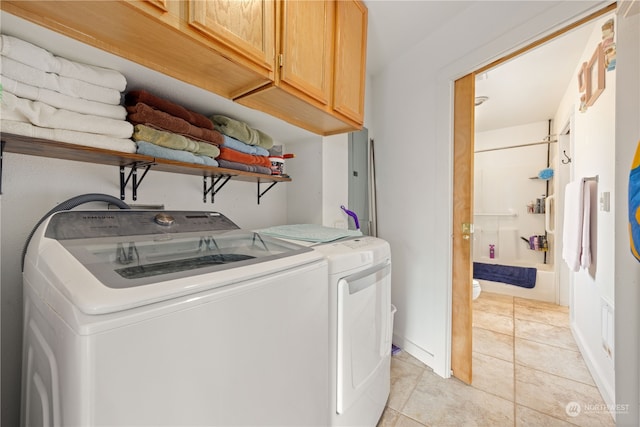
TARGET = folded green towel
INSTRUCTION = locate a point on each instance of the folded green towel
(174, 141)
(241, 131)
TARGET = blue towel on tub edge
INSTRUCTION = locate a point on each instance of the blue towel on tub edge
(519, 276)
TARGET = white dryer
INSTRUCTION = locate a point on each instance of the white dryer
(361, 319)
(172, 318)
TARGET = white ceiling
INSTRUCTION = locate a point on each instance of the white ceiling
(529, 88)
(524, 90)
(395, 26)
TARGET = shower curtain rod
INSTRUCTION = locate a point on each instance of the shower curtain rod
(515, 146)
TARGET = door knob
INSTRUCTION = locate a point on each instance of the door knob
(467, 230)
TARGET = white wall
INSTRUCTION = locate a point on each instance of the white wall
(320, 171)
(413, 133)
(335, 188)
(627, 269)
(304, 193)
(593, 155)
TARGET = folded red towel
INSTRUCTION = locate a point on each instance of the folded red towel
(143, 114)
(144, 97)
(248, 159)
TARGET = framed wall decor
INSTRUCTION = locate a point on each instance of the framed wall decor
(594, 76)
(582, 81)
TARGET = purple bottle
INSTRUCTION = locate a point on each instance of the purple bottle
(492, 251)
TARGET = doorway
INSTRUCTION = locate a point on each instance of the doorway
(461, 336)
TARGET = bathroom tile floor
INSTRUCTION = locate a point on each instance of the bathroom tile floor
(527, 370)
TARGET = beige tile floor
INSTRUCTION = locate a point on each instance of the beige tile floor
(527, 370)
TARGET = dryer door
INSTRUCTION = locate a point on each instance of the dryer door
(364, 320)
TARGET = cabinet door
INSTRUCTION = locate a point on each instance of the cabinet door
(350, 59)
(160, 4)
(246, 27)
(306, 46)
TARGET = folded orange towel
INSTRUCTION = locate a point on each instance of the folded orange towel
(238, 157)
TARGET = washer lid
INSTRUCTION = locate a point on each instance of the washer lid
(100, 275)
(127, 249)
(131, 261)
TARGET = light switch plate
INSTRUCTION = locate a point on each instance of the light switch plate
(605, 201)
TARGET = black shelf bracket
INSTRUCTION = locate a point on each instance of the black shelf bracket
(267, 189)
(217, 182)
(133, 176)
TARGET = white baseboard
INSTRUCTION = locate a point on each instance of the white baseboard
(605, 387)
(420, 353)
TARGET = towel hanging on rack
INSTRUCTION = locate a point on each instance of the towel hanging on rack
(576, 237)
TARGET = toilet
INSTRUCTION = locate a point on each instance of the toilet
(476, 289)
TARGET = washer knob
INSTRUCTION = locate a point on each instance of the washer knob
(164, 219)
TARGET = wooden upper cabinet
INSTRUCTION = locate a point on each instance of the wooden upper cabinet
(350, 59)
(306, 48)
(245, 26)
(302, 61)
(155, 34)
(320, 82)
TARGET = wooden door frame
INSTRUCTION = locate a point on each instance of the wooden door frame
(462, 272)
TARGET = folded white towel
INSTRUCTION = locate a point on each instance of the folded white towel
(69, 86)
(573, 224)
(68, 136)
(60, 100)
(44, 60)
(46, 116)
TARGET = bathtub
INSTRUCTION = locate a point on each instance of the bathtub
(544, 290)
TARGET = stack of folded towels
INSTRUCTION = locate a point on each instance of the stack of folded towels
(50, 97)
(243, 148)
(170, 131)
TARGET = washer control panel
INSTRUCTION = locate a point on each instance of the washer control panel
(125, 222)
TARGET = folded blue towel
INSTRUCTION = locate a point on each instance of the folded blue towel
(519, 276)
(244, 148)
(153, 150)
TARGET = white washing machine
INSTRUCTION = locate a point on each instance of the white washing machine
(361, 319)
(172, 318)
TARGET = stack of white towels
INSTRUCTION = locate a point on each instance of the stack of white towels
(50, 97)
